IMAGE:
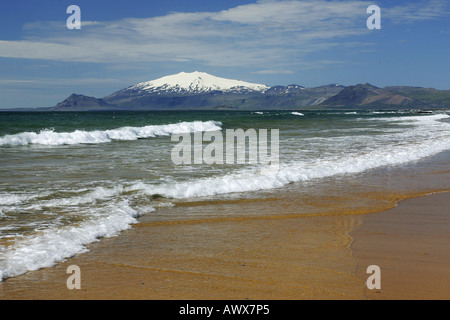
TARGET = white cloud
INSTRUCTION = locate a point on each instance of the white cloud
(274, 72)
(417, 11)
(45, 82)
(275, 33)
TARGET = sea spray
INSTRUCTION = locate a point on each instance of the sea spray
(49, 137)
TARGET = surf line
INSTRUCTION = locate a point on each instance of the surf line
(236, 147)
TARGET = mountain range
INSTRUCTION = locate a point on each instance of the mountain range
(202, 91)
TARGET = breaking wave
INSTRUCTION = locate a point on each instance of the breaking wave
(49, 137)
(114, 213)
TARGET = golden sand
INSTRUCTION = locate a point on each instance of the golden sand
(288, 258)
(411, 245)
(289, 246)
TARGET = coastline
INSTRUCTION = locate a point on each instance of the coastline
(290, 245)
(237, 259)
(301, 258)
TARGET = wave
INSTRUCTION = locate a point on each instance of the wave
(429, 138)
(55, 245)
(114, 211)
(270, 178)
(49, 137)
(297, 114)
(40, 201)
(10, 199)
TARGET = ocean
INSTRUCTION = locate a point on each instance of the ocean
(70, 179)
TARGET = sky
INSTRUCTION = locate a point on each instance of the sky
(305, 42)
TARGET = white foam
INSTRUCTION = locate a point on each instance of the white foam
(297, 114)
(428, 138)
(265, 179)
(10, 199)
(49, 137)
(13, 202)
(424, 119)
(55, 245)
(385, 112)
(99, 193)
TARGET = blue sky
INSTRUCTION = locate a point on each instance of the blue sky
(307, 42)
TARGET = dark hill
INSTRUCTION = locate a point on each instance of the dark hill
(77, 102)
(367, 95)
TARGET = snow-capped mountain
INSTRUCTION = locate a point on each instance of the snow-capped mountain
(200, 90)
(195, 82)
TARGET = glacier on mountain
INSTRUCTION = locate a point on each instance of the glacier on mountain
(196, 82)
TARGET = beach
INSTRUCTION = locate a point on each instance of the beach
(410, 244)
(261, 150)
(139, 227)
(243, 259)
(262, 258)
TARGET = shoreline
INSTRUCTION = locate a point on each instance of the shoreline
(287, 258)
(254, 259)
(300, 242)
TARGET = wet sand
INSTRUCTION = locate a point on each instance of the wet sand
(277, 258)
(255, 258)
(411, 245)
(291, 245)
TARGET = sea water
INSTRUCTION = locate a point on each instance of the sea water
(71, 179)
